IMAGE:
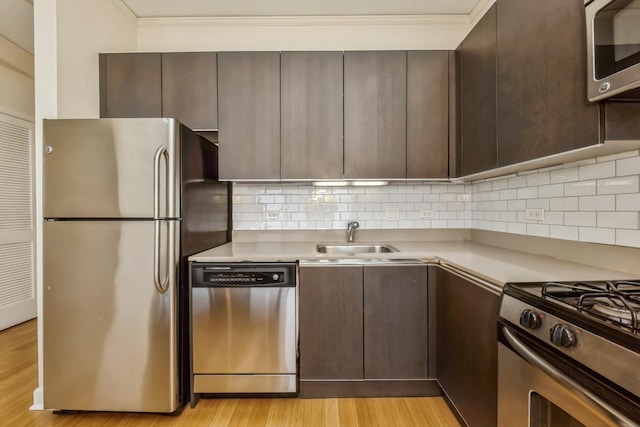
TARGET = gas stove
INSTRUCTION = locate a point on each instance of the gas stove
(587, 328)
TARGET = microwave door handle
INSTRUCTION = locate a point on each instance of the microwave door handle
(591, 399)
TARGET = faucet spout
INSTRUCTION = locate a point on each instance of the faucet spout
(351, 229)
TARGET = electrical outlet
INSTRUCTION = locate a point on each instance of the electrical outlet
(463, 197)
(535, 214)
(426, 213)
(275, 214)
(393, 213)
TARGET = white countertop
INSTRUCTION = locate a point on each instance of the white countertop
(494, 264)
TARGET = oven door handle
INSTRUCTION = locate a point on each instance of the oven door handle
(537, 361)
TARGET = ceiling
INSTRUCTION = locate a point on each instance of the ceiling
(218, 8)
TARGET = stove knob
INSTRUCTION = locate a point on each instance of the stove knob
(562, 336)
(530, 319)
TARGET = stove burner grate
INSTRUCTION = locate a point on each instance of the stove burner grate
(617, 302)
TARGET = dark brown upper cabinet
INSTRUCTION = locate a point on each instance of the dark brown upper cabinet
(190, 89)
(249, 115)
(477, 90)
(542, 88)
(428, 110)
(177, 85)
(130, 85)
(375, 111)
(312, 115)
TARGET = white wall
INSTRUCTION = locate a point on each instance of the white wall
(84, 29)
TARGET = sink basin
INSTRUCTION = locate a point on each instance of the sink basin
(355, 249)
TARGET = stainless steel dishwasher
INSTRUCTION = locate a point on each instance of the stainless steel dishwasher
(244, 329)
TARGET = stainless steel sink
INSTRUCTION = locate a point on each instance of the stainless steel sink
(355, 249)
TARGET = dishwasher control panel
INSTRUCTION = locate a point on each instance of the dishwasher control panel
(244, 274)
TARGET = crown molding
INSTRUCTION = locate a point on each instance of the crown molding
(479, 10)
(124, 9)
(315, 21)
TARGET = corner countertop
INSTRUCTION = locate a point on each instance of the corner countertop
(493, 264)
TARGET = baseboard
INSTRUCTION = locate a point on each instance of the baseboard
(38, 400)
(369, 388)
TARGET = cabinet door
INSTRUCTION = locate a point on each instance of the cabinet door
(249, 115)
(428, 114)
(477, 59)
(542, 88)
(312, 115)
(190, 88)
(375, 114)
(395, 322)
(330, 321)
(467, 346)
(130, 85)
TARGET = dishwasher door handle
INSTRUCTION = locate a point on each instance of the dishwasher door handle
(588, 397)
(243, 285)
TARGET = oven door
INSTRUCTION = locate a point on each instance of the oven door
(535, 391)
(613, 48)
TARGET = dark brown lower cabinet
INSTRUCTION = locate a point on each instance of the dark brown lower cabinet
(364, 331)
(330, 320)
(395, 323)
(466, 347)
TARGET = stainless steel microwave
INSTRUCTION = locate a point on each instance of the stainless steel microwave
(613, 48)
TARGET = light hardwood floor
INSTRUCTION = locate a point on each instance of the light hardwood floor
(19, 377)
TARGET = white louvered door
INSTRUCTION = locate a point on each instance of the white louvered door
(17, 228)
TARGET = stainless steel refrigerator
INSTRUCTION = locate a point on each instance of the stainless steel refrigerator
(126, 201)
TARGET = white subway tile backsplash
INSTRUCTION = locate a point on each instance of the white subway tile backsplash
(516, 228)
(563, 175)
(517, 182)
(581, 188)
(538, 179)
(540, 230)
(628, 238)
(618, 220)
(564, 204)
(597, 203)
(628, 202)
(552, 190)
(564, 232)
(628, 166)
(588, 219)
(597, 235)
(597, 170)
(538, 204)
(596, 200)
(527, 193)
(619, 185)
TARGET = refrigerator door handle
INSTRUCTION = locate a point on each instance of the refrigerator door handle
(160, 152)
(162, 285)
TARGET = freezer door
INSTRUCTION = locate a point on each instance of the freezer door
(111, 168)
(109, 336)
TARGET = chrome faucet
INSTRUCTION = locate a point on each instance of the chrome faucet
(351, 229)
